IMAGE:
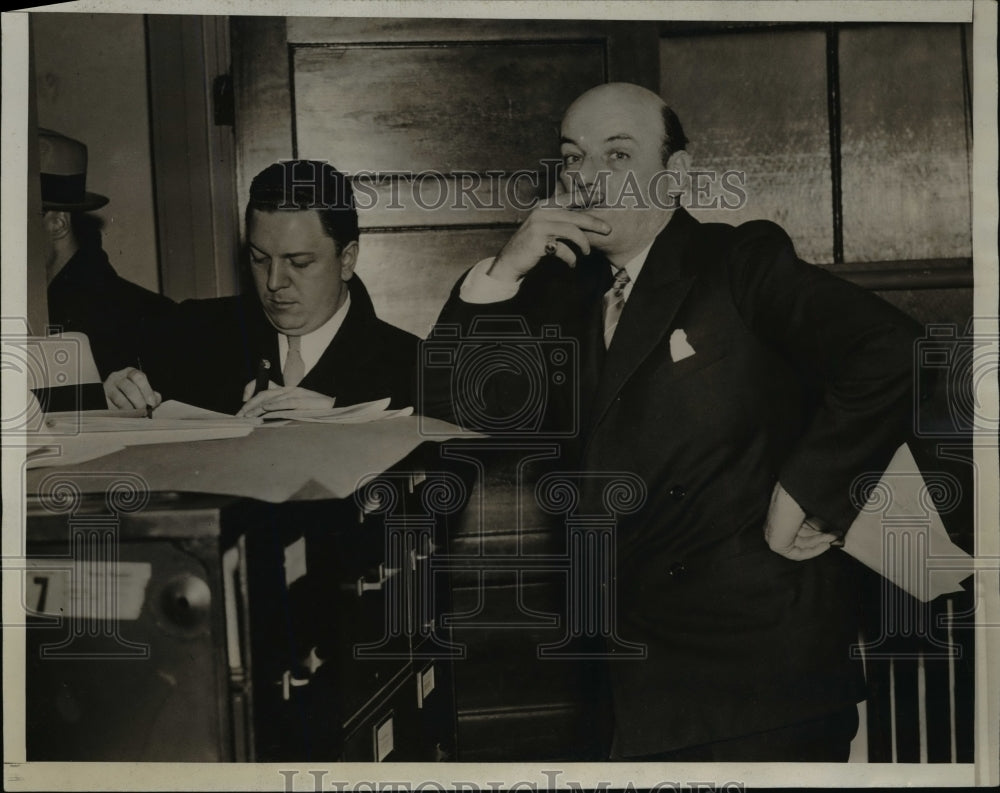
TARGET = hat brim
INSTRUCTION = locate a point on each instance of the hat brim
(90, 201)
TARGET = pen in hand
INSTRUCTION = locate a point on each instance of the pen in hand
(263, 375)
(149, 408)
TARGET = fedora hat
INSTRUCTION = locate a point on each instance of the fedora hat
(63, 170)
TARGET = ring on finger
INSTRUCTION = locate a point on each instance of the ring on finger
(550, 248)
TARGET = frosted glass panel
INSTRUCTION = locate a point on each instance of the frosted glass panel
(905, 167)
(756, 102)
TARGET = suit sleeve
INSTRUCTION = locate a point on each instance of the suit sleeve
(853, 348)
(480, 365)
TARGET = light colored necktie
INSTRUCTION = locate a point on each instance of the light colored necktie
(295, 367)
(614, 302)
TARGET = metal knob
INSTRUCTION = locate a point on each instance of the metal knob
(186, 600)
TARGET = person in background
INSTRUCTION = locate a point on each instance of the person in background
(85, 294)
(308, 336)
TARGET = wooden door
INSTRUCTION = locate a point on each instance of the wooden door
(448, 120)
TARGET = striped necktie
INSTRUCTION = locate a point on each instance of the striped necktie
(614, 302)
(295, 367)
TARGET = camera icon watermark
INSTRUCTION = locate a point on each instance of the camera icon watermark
(50, 368)
(958, 367)
(501, 379)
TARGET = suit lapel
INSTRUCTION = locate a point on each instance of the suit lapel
(655, 299)
(347, 343)
(266, 346)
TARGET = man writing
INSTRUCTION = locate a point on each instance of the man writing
(310, 331)
(747, 389)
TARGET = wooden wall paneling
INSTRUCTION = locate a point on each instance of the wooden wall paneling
(905, 161)
(410, 274)
(403, 30)
(937, 684)
(933, 305)
(193, 160)
(439, 106)
(36, 246)
(432, 199)
(509, 598)
(907, 702)
(965, 676)
(878, 668)
(539, 734)
(263, 97)
(765, 115)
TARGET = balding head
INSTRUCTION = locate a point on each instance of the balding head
(630, 101)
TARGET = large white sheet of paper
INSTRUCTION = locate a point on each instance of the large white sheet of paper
(899, 534)
(287, 463)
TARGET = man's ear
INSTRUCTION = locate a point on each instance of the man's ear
(348, 260)
(57, 224)
(679, 184)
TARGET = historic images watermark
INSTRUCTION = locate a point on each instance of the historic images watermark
(548, 779)
(522, 190)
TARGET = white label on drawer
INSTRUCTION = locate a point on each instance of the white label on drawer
(427, 681)
(383, 740)
(88, 590)
(295, 561)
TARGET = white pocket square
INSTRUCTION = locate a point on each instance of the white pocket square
(679, 347)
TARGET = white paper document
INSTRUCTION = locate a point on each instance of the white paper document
(899, 534)
(68, 438)
(349, 414)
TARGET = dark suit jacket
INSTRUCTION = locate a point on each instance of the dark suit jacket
(207, 353)
(88, 296)
(797, 376)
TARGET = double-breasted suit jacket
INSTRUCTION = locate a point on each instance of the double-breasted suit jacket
(796, 376)
(210, 349)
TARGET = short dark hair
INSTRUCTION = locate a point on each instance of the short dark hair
(302, 185)
(674, 138)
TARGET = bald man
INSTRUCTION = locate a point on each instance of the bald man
(747, 389)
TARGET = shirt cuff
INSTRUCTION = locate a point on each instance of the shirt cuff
(480, 287)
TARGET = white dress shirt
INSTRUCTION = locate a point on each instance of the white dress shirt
(314, 343)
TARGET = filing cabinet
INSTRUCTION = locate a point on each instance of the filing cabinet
(126, 633)
(242, 631)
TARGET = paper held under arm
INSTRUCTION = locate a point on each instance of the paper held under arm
(899, 532)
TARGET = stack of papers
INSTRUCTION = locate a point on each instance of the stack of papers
(350, 414)
(76, 436)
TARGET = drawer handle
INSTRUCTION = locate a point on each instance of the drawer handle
(288, 682)
(384, 574)
(420, 557)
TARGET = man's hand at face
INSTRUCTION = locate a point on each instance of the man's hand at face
(546, 231)
(128, 388)
(788, 533)
(281, 398)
